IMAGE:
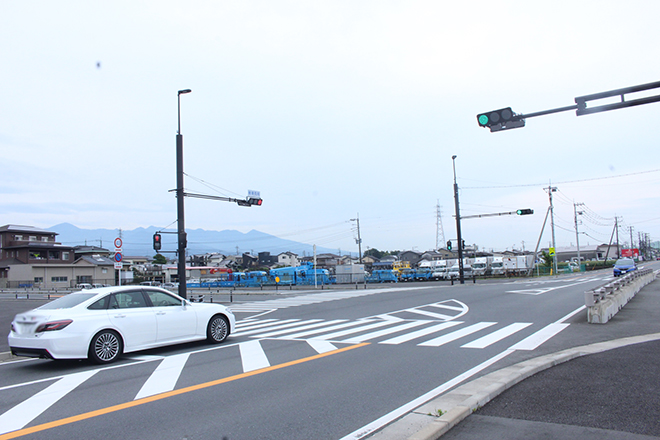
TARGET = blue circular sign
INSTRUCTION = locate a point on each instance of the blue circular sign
(118, 257)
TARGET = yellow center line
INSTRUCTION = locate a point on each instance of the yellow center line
(154, 398)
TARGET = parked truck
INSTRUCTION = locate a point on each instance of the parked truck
(518, 265)
(480, 266)
(497, 266)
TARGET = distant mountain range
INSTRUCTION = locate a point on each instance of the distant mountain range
(139, 242)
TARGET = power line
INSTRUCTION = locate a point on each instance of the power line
(561, 183)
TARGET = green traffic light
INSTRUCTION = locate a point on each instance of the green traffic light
(483, 119)
(519, 212)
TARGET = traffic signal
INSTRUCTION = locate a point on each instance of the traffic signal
(525, 211)
(157, 242)
(448, 245)
(501, 119)
(250, 201)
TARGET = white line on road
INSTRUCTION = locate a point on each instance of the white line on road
(26, 411)
(457, 334)
(253, 356)
(497, 335)
(164, 378)
(402, 410)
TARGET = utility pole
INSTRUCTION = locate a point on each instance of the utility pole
(461, 276)
(550, 190)
(616, 227)
(359, 239)
(577, 234)
(632, 244)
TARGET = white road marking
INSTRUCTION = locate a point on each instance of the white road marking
(165, 376)
(406, 408)
(321, 346)
(497, 335)
(538, 338)
(313, 324)
(457, 334)
(387, 331)
(253, 356)
(26, 411)
(419, 333)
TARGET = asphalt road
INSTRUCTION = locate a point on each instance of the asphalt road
(300, 366)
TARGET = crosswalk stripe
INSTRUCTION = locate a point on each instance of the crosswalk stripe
(496, 336)
(304, 327)
(350, 331)
(165, 377)
(387, 331)
(271, 326)
(253, 356)
(317, 331)
(457, 334)
(422, 332)
(321, 346)
(533, 341)
(430, 314)
(252, 322)
(28, 410)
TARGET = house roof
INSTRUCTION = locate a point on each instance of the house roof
(26, 229)
(96, 260)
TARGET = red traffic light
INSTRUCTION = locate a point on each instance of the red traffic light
(157, 242)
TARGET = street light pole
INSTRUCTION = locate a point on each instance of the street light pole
(461, 275)
(182, 240)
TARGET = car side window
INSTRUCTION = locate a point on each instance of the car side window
(101, 304)
(127, 300)
(162, 299)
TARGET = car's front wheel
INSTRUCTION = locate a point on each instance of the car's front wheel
(105, 347)
(217, 329)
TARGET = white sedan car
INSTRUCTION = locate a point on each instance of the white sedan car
(101, 324)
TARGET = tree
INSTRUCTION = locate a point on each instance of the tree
(160, 259)
(547, 259)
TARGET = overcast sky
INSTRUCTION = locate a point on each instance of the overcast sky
(332, 109)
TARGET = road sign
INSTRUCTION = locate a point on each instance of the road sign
(551, 252)
(118, 257)
(118, 243)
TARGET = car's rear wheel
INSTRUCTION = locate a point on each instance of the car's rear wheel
(217, 329)
(105, 347)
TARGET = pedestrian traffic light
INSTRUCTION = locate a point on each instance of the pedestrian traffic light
(448, 245)
(525, 211)
(157, 242)
(501, 119)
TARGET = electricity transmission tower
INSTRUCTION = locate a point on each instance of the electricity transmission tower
(439, 232)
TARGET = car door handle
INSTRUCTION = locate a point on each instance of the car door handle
(120, 316)
(161, 313)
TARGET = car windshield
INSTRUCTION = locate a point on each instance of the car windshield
(66, 302)
(624, 262)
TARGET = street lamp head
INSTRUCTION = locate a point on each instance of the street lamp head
(181, 92)
(453, 157)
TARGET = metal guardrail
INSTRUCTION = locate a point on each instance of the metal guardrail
(593, 297)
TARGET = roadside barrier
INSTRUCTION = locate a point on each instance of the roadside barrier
(604, 302)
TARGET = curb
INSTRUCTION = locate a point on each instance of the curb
(459, 403)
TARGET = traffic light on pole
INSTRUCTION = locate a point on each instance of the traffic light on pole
(501, 119)
(250, 201)
(448, 245)
(157, 242)
(525, 211)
